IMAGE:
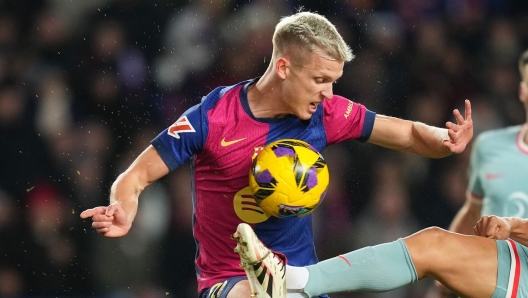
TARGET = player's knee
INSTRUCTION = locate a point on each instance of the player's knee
(431, 237)
(435, 234)
(425, 246)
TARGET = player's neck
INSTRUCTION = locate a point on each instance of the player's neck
(264, 97)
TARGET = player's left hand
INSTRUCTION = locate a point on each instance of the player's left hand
(494, 227)
(459, 134)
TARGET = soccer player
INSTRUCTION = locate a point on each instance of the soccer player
(470, 266)
(499, 160)
(292, 99)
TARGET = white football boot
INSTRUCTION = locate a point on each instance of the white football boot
(265, 269)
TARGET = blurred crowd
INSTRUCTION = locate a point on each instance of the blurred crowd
(85, 86)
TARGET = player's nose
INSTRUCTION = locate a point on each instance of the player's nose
(327, 92)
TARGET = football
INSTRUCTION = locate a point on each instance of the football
(288, 178)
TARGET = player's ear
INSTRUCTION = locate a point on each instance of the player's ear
(281, 67)
(523, 91)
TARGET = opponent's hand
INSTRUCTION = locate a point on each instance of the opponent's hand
(110, 221)
(459, 134)
(493, 227)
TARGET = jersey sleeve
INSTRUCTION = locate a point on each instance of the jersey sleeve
(346, 120)
(180, 141)
(475, 183)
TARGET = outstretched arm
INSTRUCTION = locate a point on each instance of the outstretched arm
(496, 227)
(426, 140)
(116, 219)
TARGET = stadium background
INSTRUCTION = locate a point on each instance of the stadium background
(85, 85)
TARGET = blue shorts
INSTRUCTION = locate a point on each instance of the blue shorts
(212, 292)
(512, 273)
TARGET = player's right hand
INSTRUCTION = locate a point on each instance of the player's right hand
(109, 221)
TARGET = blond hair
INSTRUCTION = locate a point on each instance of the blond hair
(523, 62)
(306, 33)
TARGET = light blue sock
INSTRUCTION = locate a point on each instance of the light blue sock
(371, 269)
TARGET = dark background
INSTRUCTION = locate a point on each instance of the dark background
(85, 85)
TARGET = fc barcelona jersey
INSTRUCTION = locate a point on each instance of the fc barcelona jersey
(221, 136)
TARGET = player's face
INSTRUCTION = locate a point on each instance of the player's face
(306, 86)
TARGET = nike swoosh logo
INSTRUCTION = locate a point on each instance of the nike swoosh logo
(493, 176)
(345, 259)
(225, 143)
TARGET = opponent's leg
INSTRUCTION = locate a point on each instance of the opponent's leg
(467, 265)
(370, 269)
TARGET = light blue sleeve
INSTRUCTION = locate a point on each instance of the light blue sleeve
(475, 183)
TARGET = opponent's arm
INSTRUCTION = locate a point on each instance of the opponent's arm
(426, 140)
(496, 227)
(518, 229)
(116, 219)
(467, 216)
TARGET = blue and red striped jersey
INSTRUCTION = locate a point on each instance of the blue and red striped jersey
(221, 136)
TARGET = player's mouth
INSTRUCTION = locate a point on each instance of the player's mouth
(313, 106)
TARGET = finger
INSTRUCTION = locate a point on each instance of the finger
(458, 116)
(101, 224)
(492, 230)
(91, 212)
(468, 110)
(480, 227)
(452, 135)
(478, 230)
(453, 126)
(498, 228)
(110, 210)
(102, 218)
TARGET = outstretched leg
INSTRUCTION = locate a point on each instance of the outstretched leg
(467, 265)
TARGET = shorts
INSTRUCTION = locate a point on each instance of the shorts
(512, 273)
(229, 284)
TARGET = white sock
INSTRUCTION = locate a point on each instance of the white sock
(295, 295)
(296, 278)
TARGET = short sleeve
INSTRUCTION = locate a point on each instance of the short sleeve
(346, 120)
(475, 183)
(185, 137)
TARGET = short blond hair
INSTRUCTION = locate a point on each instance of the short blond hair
(523, 61)
(308, 32)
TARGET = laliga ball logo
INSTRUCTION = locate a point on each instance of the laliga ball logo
(288, 178)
